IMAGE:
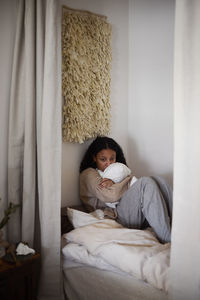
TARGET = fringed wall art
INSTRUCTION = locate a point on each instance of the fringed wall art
(86, 64)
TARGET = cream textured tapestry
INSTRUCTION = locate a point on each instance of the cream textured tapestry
(86, 63)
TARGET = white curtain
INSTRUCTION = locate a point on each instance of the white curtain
(185, 254)
(34, 150)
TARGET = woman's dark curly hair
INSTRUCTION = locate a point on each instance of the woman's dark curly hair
(97, 145)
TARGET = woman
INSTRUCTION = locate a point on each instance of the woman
(148, 202)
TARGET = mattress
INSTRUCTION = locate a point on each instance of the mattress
(89, 283)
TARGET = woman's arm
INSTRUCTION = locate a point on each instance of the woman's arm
(90, 187)
(106, 183)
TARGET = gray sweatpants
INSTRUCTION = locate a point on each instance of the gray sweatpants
(148, 202)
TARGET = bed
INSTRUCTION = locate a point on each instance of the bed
(102, 260)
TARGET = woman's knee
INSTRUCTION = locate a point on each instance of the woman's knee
(146, 180)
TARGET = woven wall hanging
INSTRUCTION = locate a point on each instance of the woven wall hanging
(86, 64)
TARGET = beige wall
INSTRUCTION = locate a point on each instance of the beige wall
(151, 34)
(117, 13)
(142, 92)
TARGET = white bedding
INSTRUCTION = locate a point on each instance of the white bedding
(105, 244)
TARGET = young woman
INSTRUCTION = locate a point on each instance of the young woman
(147, 202)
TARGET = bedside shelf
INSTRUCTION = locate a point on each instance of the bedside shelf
(19, 281)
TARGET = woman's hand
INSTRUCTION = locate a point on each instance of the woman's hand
(106, 183)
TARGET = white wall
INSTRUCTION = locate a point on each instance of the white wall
(7, 33)
(151, 33)
(117, 13)
(142, 119)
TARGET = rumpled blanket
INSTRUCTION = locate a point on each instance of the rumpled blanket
(136, 252)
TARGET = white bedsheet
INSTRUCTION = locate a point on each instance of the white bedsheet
(105, 244)
(89, 283)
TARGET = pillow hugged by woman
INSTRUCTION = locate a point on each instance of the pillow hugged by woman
(134, 203)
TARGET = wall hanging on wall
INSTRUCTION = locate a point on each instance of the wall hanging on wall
(86, 63)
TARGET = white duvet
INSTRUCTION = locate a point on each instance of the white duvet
(103, 242)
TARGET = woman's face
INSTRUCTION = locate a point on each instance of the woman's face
(104, 158)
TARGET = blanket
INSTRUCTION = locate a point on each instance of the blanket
(133, 251)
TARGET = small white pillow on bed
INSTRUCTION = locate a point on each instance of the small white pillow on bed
(79, 218)
(116, 172)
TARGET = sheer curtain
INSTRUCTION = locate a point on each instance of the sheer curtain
(185, 254)
(34, 148)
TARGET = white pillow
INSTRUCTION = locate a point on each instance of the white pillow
(79, 218)
(116, 172)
